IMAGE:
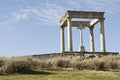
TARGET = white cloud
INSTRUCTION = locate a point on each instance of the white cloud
(20, 15)
(109, 6)
(13, 18)
(47, 13)
(51, 11)
(71, 2)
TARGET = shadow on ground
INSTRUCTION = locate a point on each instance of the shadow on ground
(32, 72)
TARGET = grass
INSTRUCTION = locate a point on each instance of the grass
(25, 64)
(60, 68)
(63, 75)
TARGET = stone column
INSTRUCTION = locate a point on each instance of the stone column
(92, 47)
(70, 49)
(102, 35)
(62, 42)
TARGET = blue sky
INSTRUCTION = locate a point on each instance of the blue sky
(30, 27)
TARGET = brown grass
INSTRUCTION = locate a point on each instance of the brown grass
(25, 64)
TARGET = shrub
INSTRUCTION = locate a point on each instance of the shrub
(114, 62)
(34, 62)
(103, 63)
(3, 61)
(17, 66)
(24, 64)
(109, 62)
(62, 63)
(79, 65)
(84, 65)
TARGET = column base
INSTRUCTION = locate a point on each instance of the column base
(82, 49)
(70, 51)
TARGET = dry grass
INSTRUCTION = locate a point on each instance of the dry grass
(25, 64)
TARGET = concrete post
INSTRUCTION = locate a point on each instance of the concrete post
(102, 35)
(62, 42)
(92, 47)
(70, 49)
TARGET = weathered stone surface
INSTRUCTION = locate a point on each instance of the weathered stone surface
(95, 17)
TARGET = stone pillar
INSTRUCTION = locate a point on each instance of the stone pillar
(102, 35)
(92, 47)
(70, 49)
(62, 42)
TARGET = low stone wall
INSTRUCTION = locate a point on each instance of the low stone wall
(51, 55)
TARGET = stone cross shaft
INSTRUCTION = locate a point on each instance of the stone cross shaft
(82, 49)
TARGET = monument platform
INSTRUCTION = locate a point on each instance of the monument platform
(75, 53)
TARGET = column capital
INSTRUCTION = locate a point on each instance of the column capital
(101, 19)
(91, 27)
(61, 27)
(69, 18)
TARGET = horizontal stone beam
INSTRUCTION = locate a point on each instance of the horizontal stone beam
(77, 24)
(85, 14)
(81, 23)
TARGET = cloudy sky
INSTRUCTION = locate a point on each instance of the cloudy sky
(32, 26)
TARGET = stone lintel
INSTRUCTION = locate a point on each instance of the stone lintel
(78, 23)
(81, 23)
(80, 14)
(85, 14)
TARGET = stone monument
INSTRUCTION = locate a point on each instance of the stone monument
(66, 21)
